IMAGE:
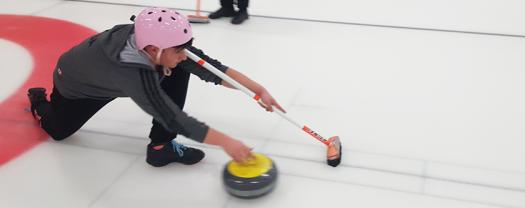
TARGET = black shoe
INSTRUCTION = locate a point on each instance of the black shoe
(240, 17)
(161, 155)
(222, 12)
(36, 96)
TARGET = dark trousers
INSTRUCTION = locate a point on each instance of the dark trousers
(62, 117)
(242, 4)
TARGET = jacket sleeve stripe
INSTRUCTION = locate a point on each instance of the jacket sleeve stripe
(154, 97)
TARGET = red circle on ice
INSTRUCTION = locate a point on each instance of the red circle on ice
(45, 39)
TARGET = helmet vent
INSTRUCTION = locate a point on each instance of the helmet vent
(173, 18)
(160, 19)
(150, 12)
(163, 10)
(185, 31)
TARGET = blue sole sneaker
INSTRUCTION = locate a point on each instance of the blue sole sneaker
(161, 155)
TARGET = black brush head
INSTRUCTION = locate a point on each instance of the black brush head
(198, 19)
(336, 161)
(335, 152)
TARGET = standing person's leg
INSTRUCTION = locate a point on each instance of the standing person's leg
(242, 14)
(243, 5)
(227, 4)
(226, 10)
(163, 148)
(61, 117)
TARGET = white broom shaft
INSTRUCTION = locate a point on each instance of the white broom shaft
(236, 84)
(248, 92)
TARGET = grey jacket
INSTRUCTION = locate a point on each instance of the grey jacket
(107, 65)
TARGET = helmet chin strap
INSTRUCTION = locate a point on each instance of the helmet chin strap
(158, 56)
(165, 70)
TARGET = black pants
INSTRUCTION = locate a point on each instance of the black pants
(242, 4)
(62, 117)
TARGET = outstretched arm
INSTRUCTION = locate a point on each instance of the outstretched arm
(194, 68)
(234, 148)
(255, 87)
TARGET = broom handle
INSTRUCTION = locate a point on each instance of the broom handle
(248, 92)
(198, 8)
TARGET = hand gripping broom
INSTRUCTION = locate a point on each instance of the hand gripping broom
(333, 143)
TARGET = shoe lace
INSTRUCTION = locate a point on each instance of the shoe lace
(179, 148)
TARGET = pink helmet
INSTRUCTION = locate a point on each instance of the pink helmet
(161, 27)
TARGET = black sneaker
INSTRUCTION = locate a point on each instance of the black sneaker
(161, 155)
(222, 12)
(240, 17)
(36, 96)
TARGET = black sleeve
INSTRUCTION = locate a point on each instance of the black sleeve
(194, 68)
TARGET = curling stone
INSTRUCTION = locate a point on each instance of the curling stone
(252, 179)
